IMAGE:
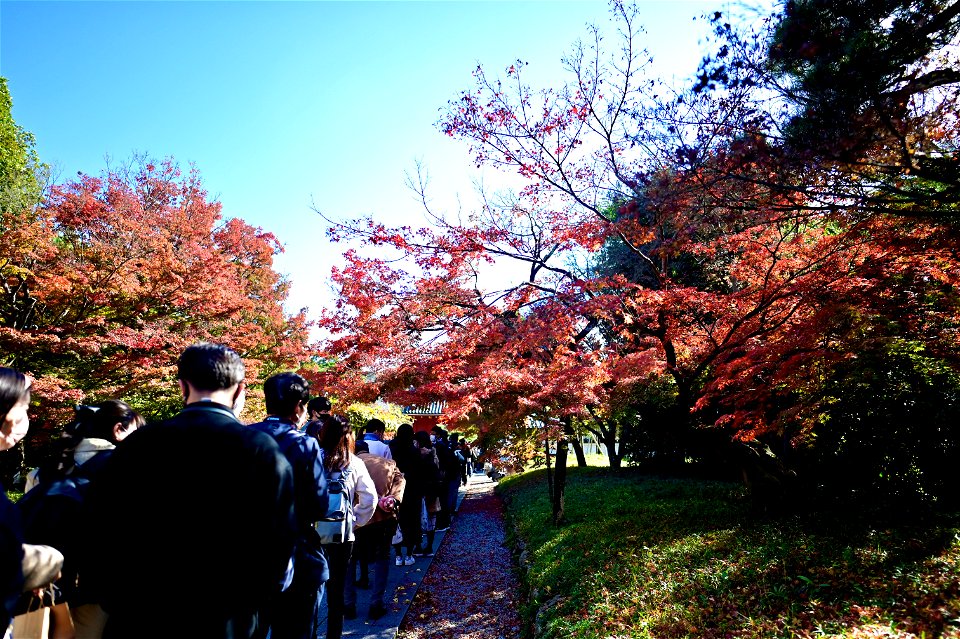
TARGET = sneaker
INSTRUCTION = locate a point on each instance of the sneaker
(350, 611)
(409, 561)
(428, 554)
(399, 560)
(444, 529)
(377, 610)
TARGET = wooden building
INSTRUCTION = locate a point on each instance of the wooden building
(424, 417)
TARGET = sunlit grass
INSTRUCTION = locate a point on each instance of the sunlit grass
(644, 557)
(597, 460)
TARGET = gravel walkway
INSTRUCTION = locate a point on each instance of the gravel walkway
(470, 590)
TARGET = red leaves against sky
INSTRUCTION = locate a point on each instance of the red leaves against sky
(122, 271)
(751, 283)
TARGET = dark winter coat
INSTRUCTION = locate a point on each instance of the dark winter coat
(11, 558)
(193, 519)
(310, 492)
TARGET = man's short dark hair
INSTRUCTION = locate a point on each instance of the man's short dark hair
(210, 367)
(439, 431)
(319, 405)
(283, 392)
(374, 426)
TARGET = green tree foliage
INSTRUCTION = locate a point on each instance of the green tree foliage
(358, 414)
(22, 175)
(888, 428)
(853, 66)
(865, 95)
(656, 430)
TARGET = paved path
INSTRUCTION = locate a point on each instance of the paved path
(471, 591)
(402, 585)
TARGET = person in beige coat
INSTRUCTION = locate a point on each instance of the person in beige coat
(373, 540)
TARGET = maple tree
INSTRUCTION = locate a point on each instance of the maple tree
(111, 277)
(862, 126)
(740, 283)
(550, 318)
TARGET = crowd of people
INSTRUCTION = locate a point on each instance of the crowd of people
(202, 526)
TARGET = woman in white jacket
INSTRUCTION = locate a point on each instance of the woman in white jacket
(336, 441)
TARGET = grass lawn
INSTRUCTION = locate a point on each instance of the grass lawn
(662, 558)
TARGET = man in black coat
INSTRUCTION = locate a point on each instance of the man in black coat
(192, 520)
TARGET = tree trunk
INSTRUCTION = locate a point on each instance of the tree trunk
(606, 434)
(578, 449)
(546, 444)
(560, 477)
(685, 440)
(610, 441)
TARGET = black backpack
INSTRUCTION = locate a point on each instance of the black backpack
(52, 515)
(51, 509)
(449, 466)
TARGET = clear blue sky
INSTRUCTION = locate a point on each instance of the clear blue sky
(281, 105)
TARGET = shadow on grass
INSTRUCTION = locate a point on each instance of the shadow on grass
(644, 556)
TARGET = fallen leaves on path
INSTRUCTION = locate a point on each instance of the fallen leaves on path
(470, 591)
